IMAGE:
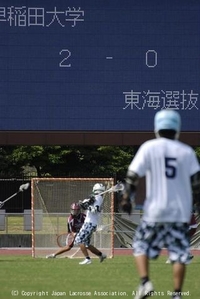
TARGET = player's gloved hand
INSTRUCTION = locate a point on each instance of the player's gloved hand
(196, 200)
(127, 198)
(197, 208)
(1, 204)
(92, 199)
(126, 205)
(84, 204)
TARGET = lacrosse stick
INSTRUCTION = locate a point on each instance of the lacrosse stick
(118, 187)
(65, 239)
(21, 189)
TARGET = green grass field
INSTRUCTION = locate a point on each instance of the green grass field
(25, 277)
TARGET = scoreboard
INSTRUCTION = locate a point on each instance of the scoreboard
(98, 65)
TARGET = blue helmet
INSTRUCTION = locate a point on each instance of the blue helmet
(167, 120)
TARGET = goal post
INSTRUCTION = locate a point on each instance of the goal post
(51, 199)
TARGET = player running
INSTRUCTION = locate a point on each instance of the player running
(83, 238)
(172, 172)
(74, 223)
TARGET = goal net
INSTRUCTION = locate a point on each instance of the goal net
(51, 199)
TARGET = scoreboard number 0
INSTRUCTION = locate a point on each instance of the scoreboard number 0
(151, 58)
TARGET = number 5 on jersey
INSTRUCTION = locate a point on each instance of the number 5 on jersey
(170, 167)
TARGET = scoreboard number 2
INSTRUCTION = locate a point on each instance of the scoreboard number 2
(66, 54)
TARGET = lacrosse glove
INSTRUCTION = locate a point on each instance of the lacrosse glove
(128, 194)
(87, 202)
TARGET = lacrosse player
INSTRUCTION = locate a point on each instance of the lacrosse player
(83, 238)
(74, 223)
(172, 172)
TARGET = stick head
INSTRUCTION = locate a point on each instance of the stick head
(118, 187)
(24, 187)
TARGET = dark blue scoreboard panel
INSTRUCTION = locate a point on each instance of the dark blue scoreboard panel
(98, 65)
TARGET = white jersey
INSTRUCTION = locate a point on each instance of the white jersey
(168, 166)
(94, 217)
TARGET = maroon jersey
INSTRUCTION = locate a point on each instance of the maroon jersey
(74, 223)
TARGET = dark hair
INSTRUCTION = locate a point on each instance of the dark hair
(170, 134)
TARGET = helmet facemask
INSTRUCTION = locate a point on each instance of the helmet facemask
(75, 209)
